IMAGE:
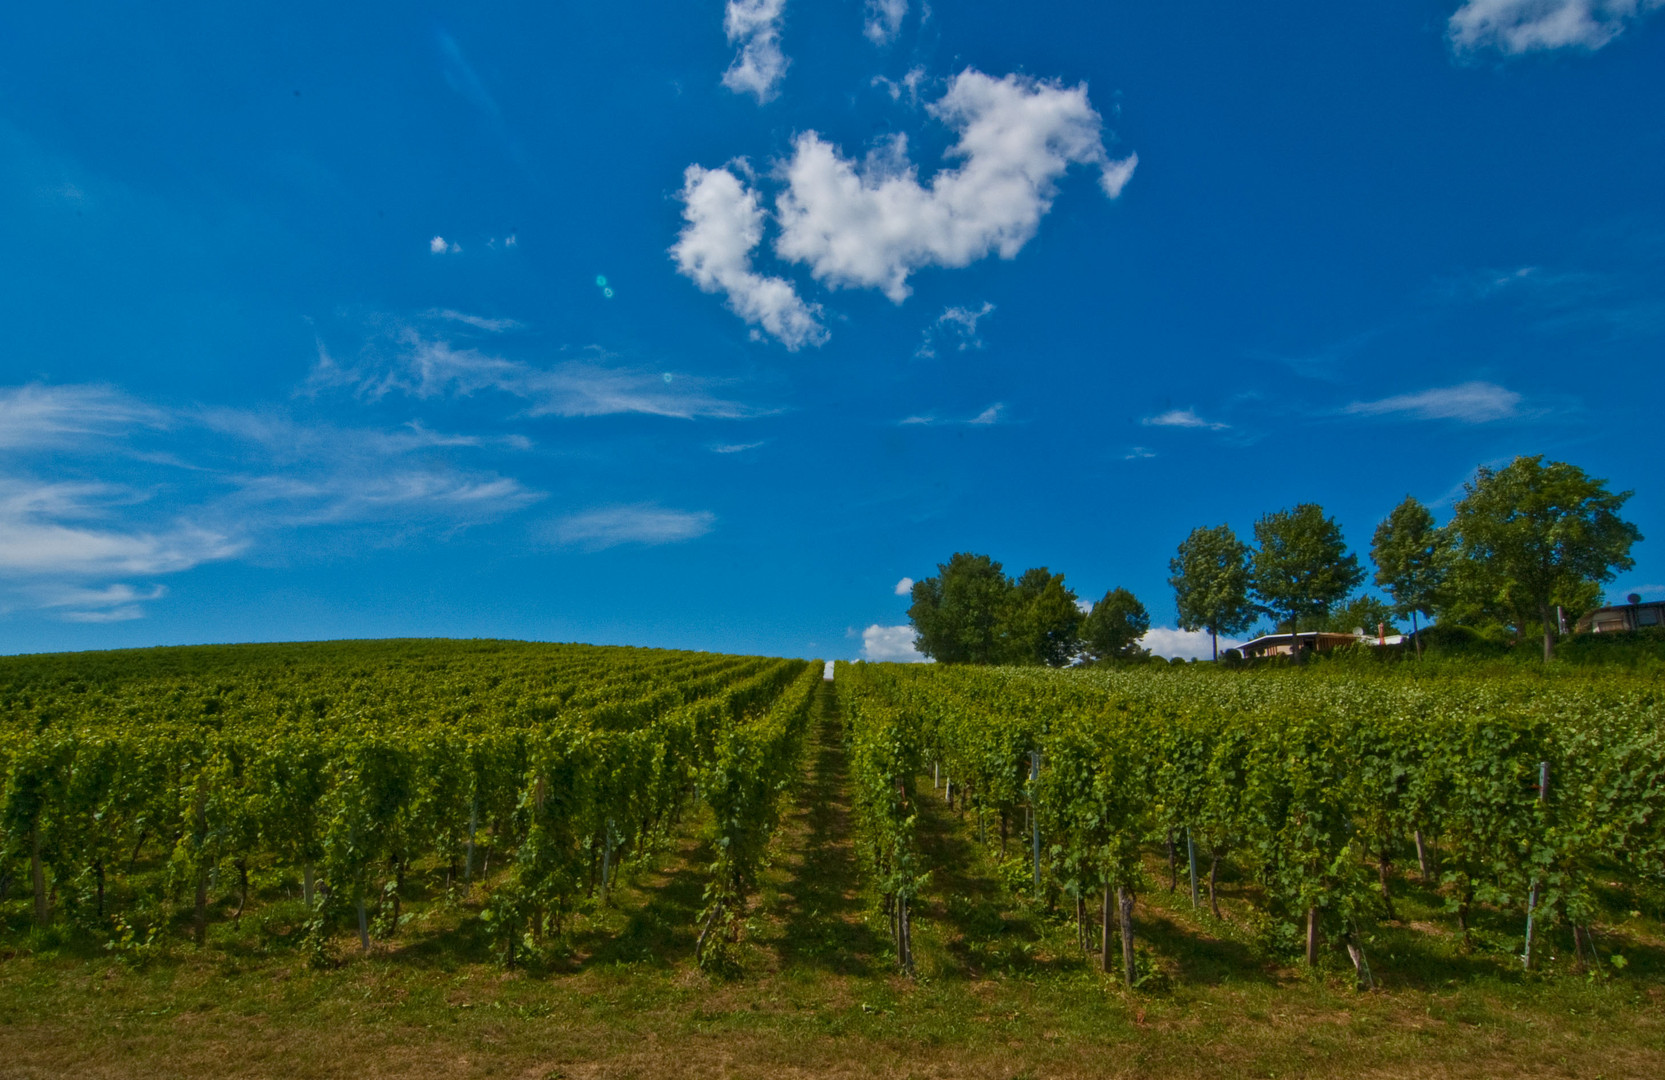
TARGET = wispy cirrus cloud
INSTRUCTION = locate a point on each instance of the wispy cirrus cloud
(1517, 27)
(760, 65)
(994, 414)
(1183, 418)
(39, 415)
(642, 523)
(55, 530)
(1470, 403)
(478, 322)
(426, 366)
(161, 490)
(113, 603)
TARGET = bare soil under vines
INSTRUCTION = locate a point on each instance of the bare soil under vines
(1002, 987)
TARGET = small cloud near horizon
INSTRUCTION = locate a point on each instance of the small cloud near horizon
(893, 644)
(1190, 644)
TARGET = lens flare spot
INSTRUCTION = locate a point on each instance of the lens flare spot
(601, 281)
(608, 293)
(666, 376)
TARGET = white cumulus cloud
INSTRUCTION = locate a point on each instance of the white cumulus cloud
(883, 20)
(872, 223)
(724, 225)
(1190, 644)
(1514, 27)
(890, 643)
(760, 65)
(904, 587)
(1471, 402)
(647, 524)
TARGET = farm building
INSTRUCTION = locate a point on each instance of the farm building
(1632, 616)
(1306, 640)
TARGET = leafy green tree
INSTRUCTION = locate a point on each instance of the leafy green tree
(1411, 556)
(961, 614)
(1115, 625)
(1302, 566)
(1361, 613)
(1211, 583)
(1043, 621)
(1533, 536)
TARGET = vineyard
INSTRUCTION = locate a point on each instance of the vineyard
(140, 790)
(1523, 796)
(671, 828)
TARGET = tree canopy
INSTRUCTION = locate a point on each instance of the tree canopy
(1532, 536)
(1411, 556)
(1043, 622)
(972, 613)
(1211, 583)
(1115, 625)
(1362, 612)
(960, 614)
(1302, 566)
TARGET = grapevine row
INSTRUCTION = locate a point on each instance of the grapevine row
(557, 763)
(1315, 786)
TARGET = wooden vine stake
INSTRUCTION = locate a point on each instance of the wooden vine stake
(1124, 905)
(1532, 894)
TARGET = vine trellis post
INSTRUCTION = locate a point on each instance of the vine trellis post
(1532, 893)
(1034, 816)
(1191, 856)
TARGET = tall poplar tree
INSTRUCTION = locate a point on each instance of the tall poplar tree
(1211, 583)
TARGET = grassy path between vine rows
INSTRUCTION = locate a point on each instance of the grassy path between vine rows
(1002, 990)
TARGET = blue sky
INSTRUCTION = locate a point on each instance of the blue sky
(702, 325)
